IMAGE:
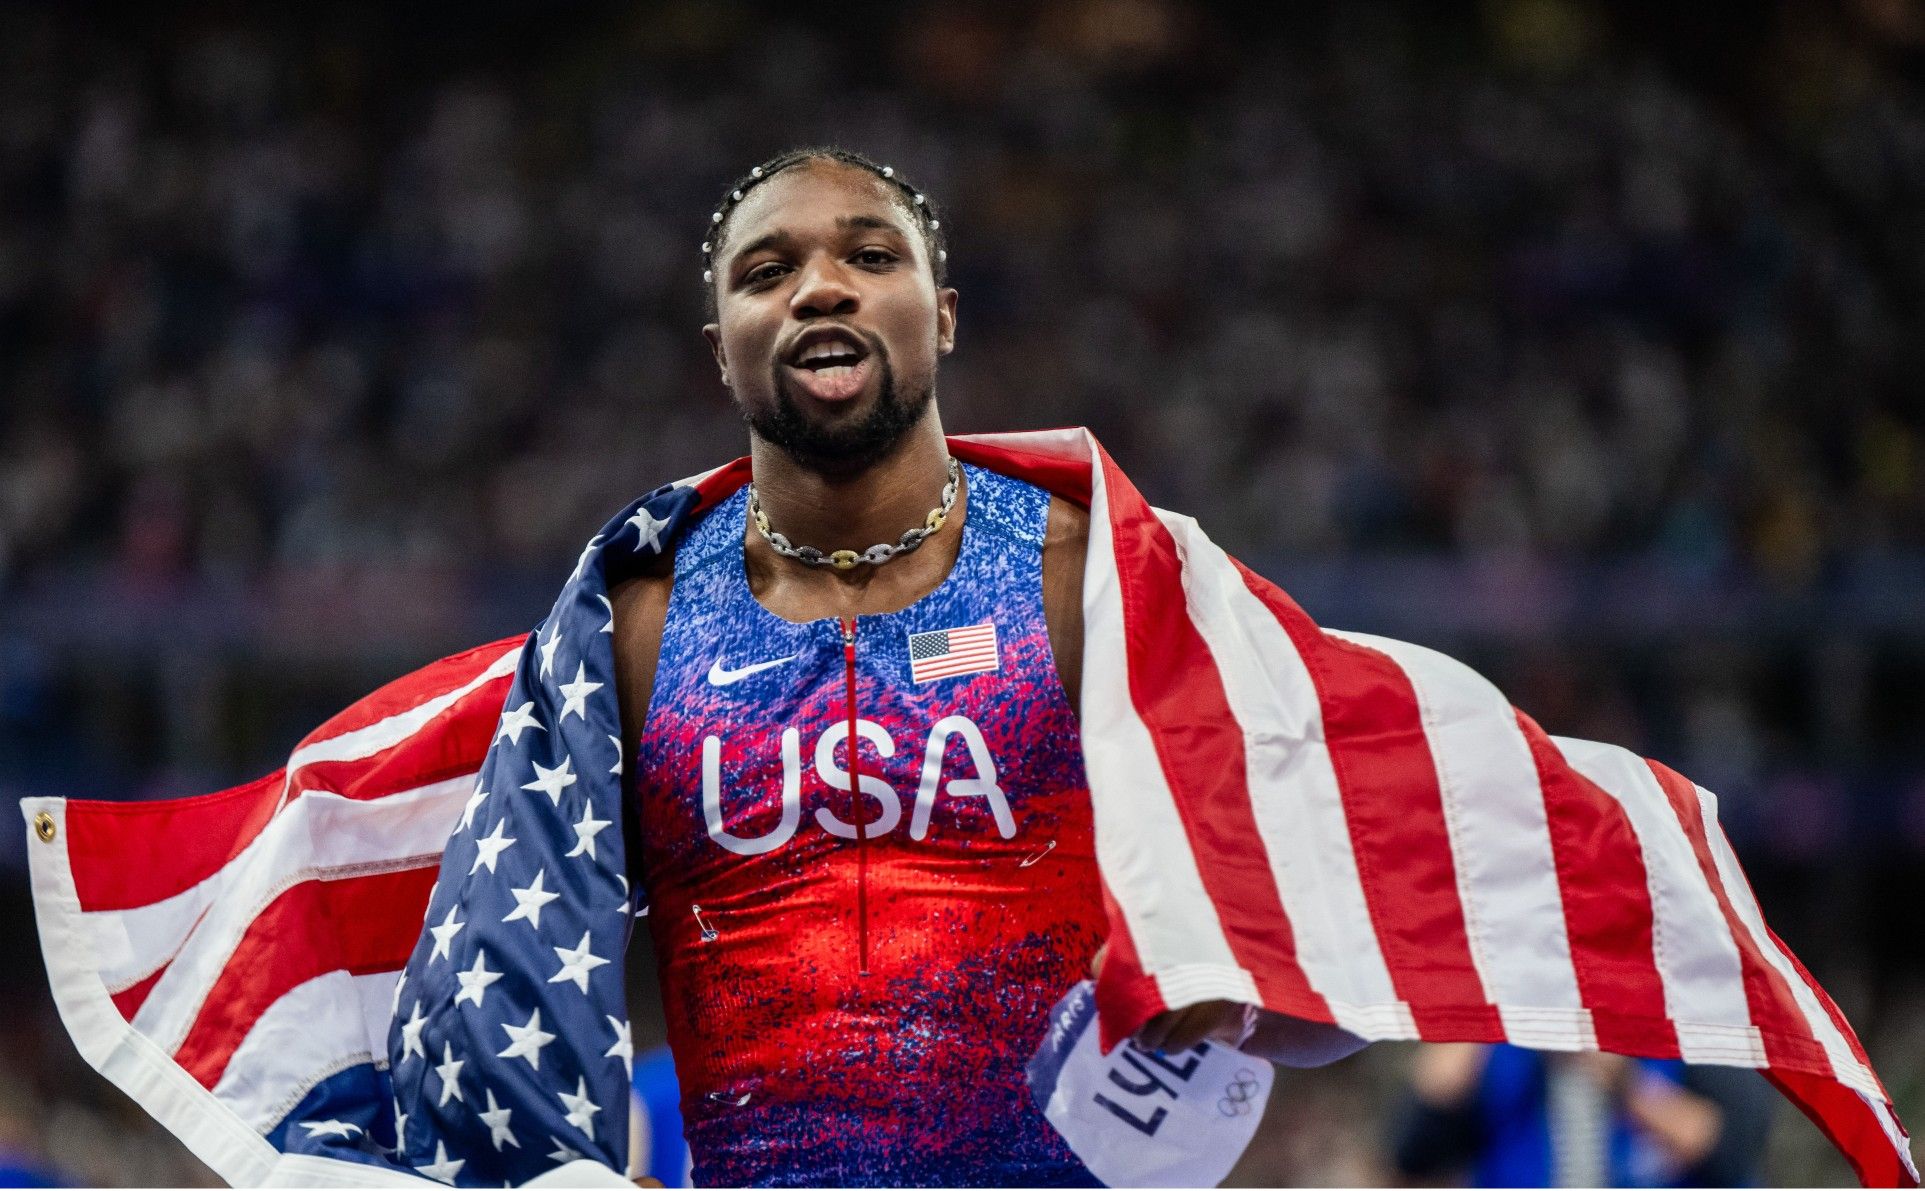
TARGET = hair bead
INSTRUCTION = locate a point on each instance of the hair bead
(921, 212)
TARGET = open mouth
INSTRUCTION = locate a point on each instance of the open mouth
(830, 364)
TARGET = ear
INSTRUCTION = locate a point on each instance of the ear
(713, 333)
(945, 321)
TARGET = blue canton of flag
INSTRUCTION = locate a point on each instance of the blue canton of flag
(510, 1054)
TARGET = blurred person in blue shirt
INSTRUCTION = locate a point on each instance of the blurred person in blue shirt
(1510, 1117)
(656, 1149)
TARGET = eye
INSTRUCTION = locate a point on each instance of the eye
(766, 271)
(875, 256)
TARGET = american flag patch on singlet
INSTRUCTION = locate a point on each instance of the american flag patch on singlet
(945, 653)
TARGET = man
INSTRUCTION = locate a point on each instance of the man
(902, 958)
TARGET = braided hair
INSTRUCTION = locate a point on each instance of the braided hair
(914, 203)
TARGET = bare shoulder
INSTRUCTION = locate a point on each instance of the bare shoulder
(1068, 530)
(1065, 546)
(640, 606)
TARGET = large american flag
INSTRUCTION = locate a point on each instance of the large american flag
(419, 921)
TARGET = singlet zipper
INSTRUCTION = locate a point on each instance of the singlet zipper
(855, 797)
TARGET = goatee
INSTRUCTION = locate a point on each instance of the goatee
(841, 449)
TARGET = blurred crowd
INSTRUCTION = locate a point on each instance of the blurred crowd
(387, 307)
(1539, 276)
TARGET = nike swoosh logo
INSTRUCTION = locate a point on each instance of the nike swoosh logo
(720, 675)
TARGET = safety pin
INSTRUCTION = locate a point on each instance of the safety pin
(737, 1101)
(1038, 856)
(708, 932)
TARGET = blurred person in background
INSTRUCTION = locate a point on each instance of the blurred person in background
(1512, 1117)
(23, 1161)
(656, 1149)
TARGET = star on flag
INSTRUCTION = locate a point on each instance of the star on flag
(475, 981)
(526, 1041)
(575, 694)
(489, 848)
(444, 936)
(576, 963)
(553, 781)
(530, 899)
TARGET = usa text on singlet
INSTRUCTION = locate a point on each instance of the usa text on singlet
(977, 872)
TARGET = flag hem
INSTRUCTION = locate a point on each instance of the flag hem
(582, 1172)
(129, 1060)
(314, 1170)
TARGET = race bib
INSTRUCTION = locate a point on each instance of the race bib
(1142, 1120)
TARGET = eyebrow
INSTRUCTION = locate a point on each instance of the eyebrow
(845, 222)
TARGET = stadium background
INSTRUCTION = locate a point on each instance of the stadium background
(1580, 340)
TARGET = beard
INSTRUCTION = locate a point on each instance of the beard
(841, 449)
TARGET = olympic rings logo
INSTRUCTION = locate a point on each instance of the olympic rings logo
(1240, 1094)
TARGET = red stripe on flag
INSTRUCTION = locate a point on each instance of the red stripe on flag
(134, 854)
(1125, 997)
(723, 482)
(129, 1000)
(1849, 1122)
(1607, 906)
(1824, 998)
(1788, 1039)
(452, 743)
(355, 924)
(1179, 697)
(1831, 1007)
(1068, 478)
(1395, 811)
(127, 854)
(412, 690)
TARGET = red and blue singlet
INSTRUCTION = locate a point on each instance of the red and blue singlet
(850, 1005)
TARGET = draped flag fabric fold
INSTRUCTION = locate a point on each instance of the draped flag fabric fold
(399, 957)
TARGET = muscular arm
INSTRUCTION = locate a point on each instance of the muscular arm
(1065, 544)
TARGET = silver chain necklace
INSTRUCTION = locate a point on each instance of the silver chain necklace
(875, 555)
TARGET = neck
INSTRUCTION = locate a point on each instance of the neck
(856, 510)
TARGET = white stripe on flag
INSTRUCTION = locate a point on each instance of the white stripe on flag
(1500, 841)
(145, 937)
(1141, 845)
(382, 734)
(1844, 1063)
(1894, 1132)
(1704, 992)
(1293, 789)
(315, 1030)
(317, 835)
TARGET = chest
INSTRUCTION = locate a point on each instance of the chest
(964, 744)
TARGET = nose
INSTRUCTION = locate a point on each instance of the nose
(823, 289)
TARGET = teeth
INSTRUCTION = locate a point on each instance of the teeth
(826, 351)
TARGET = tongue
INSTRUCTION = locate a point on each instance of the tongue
(834, 384)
